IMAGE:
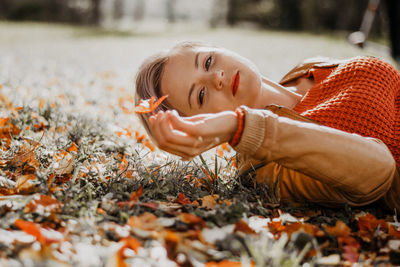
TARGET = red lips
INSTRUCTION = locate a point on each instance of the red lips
(235, 83)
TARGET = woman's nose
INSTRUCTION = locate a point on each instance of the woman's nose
(218, 79)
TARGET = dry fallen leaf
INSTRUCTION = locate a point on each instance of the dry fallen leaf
(183, 200)
(133, 199)
(25, 158)
(44, 236)
(242, 226)
(73, 148)
(43, 203)
(149, 105)
(340, 229)
(64, 162)
(209, 202)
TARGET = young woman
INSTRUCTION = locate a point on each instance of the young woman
(328, 132)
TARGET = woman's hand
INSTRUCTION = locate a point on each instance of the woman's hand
(190, 136)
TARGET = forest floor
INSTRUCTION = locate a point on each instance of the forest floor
(78, 176)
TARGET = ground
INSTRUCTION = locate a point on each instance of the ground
(79, 178)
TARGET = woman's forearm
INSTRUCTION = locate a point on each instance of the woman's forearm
(343, 160)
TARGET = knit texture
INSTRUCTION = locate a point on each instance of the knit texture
(359, 96)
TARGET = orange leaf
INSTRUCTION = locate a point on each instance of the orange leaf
(293, 227)
(191, 219)
(276, 227)
(7, 129)
(128, 242)
(242, 226)
(219, 152)
(123, 164)
(120, 260)
(149, 145)
(129, 174)
(73, 147)
(23, 185)
(182, 199)
(139, 137)
(135, 195)
(340, 229)
(31, 229)
(147, 221)
(131, 242)
(368, 225)
(225, 147)
(133, 199)
(234, 162)
(101, 211)
(171, 236)
(149, 105)
(44, 202)
(209, 201)
(3, 121)
(42, 235)
(128, 132)
(50, 180)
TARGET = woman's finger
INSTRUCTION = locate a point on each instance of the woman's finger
(184, 149)
(172, 136)
(165, 135)
(187, 126)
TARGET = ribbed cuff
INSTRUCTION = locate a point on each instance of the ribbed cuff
(253, 132)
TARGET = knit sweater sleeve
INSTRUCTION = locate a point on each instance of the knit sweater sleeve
(359, 165)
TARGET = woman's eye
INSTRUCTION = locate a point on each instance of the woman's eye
(208, 62)
(201, 96)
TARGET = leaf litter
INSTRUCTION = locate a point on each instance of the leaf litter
(73, 185)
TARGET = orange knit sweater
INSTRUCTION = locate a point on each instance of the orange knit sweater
(359, 96)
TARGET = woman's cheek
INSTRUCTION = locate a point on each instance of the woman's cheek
(253, 84)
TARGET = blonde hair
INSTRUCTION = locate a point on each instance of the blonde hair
(148, 79)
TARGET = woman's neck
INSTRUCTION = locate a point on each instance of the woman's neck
(275, 93)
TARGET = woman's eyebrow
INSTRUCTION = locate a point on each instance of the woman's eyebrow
(196, 64)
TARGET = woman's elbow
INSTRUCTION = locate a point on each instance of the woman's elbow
(378, 181)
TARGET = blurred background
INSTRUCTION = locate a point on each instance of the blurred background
(295, 15)
(355, 20)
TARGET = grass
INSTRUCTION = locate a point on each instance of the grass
(83, 191)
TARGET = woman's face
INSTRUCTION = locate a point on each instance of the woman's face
(209, 80)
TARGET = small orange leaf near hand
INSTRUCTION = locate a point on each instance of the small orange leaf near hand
(149, 105)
